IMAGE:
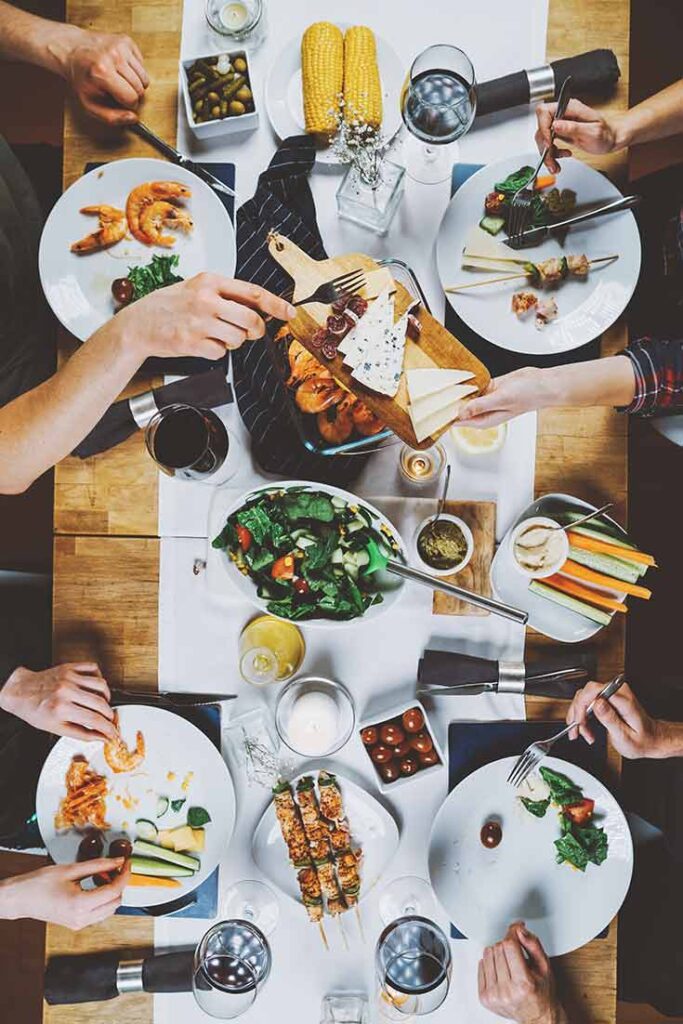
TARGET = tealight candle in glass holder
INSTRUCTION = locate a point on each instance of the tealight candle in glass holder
(421, 468)
(234, 18)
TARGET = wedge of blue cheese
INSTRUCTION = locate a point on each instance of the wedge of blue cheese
(381, 365)
(378, 316)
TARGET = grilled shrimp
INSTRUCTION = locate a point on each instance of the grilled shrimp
(142, 195)
(162, 214)
(117, 754)
(301, 364)
(112, 229)
(336, 423)
(365, 421)
(318, 393)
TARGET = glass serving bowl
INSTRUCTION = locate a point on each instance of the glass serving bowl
(314, 716)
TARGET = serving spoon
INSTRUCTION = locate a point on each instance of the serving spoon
(583, 519)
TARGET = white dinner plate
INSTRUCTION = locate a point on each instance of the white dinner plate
(284, 98)
(512, 586)
(586, 308)
(174, 749)
(78, 288)
(373, 831)
(391, 587)
(483, 890)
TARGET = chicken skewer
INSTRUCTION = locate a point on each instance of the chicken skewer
(549, 272)
(294, 835)
(317, 834)
(346, 859)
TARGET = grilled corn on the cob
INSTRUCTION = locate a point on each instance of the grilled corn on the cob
(322, 72)
(362, 89)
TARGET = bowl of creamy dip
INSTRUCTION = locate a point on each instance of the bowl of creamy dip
(539, 547)
(314, 716)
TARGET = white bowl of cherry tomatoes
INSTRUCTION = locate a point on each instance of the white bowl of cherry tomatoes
(401, 746)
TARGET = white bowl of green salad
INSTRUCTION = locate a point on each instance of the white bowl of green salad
(298, 550)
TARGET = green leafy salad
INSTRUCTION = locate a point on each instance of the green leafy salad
(307, 552)
(581, 841)
(159, 273)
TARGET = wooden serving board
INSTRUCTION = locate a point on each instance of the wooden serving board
(436, 348)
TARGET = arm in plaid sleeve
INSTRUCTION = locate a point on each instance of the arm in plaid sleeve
(658, 368)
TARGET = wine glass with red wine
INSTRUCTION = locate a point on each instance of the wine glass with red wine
(438, 104)
(231, 964)
(188, 442)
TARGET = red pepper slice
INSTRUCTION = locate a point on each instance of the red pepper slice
(244, 537)
(283, 568)
(581, 812)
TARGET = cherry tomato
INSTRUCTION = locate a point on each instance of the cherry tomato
(401, 749)
(244, 537)
(421, 741)
(391, 734)
(369, 736)
(408, 765)
(381, 754)
(122, 290)
(301, 586)
(283, 568)
(581, 812)
(429, 758)
(413, 720)
(491, 834)
(389, 771)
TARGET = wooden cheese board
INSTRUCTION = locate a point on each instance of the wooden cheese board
(436, 347)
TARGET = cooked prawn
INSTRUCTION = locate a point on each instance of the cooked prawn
(302, 364)
(365, 421)
(112, 229)
(318, 393)
(336, 423)
(117, 754)
(162, 214)
(142, 195)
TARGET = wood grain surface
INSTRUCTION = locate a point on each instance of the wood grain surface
(437, 347)
(105, 592)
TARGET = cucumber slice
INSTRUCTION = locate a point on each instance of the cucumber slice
(567, 601)
(610, 565)
(157, 868)
(337, 502)
(146, 829)
(305, 542)
(337, 556)
(598, 527)
(355, 525)
(492, 224)
(162, 806)
(141, 848)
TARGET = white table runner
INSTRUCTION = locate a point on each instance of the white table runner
(200, 621)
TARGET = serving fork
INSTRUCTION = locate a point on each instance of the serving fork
(520, 205)
(344, 284)
(529, 761)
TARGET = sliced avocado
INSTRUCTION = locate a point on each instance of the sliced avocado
(144, 849)
(573, 603)
(157, 868)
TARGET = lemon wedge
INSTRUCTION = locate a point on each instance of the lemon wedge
(479, 441)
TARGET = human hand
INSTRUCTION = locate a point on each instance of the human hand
(505, 397)
(516, 980)
(633, 732)
(202, 316)
(107, 74)
(581, 126)
(67, 700)
(54, 893)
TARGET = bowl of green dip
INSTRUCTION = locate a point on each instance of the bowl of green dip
(443, 548)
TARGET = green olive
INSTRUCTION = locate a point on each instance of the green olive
(240, 65)
(213, 97)
(236, 108)
(243, 94)
(199, 106)
(216, 111)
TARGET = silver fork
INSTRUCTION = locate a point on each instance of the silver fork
(523, 197)
(529, 761)
(350, 282)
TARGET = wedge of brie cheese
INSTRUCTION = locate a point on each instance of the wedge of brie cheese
(429, 417)
(425, 382)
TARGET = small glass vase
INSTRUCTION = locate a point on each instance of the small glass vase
(344, 1008)
(372, 207)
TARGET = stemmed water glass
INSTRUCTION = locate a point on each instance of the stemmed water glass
(413, 965)
(438, 104)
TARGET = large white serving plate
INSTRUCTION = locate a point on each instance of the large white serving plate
(78, 288)
(483, 891)
(284, 97)
(586, 308)
(172, 745)
(391, 587)
(511, 586)
(373, 830)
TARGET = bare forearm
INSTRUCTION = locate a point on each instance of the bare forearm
(609, 381)
(26, 37)
(670, 741)
(42, 426)
(657, 117)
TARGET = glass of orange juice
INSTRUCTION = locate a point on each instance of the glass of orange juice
(270, 650)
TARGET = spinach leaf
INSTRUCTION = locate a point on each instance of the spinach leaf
(157, 274)
(318, 555)
(514, 181)
(593, 840)
(177, 804)
(308, 505)
(562, 790)
(356, 596)
(227, 538)
(197, 816)
(570, 849)
(259, 558)
(257, 521)
(535, 807)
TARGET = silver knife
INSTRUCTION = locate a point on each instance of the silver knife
(512, 679)
(535, 235)
(172, 154)
(179, 700)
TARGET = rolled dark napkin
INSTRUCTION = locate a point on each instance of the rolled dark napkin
(206, 390)
(452, 669)
(96, 977)
(594, 75)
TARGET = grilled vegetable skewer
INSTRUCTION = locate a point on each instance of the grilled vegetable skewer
(549, 272)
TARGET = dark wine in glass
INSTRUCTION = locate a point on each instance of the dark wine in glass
(413, 961)
(187, 442)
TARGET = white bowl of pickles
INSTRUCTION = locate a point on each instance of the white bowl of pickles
(218, 94)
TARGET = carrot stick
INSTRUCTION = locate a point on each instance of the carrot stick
(581, 572)
(579, 540)
(167, 883)
(584, 593)
(544, 181)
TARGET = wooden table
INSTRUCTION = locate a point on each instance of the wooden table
(106, 565)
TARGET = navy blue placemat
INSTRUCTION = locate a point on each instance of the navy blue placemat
(471, 745)
(186, 365)
(203, 902)
(499, 360)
